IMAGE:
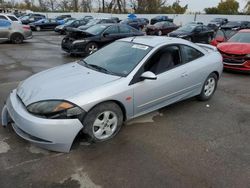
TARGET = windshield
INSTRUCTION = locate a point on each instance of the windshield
(93, 22)
(159, 24)
(97, 29)
(25, 18)
(233, 24)
(187, 28)
(118, 58)
(242, 37)
(69, 22)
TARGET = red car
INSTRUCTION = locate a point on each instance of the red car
(236, 51)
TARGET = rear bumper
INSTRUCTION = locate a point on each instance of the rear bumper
(51, 134)
(28, 35)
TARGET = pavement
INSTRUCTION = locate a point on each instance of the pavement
(188, 144)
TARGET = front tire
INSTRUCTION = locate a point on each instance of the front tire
(91, 48)
(103, 122)
(159, 33)
(209, 87)
(38, 28)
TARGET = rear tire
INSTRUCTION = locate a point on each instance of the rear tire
(208, 88)
(103, 122)
(17, 38)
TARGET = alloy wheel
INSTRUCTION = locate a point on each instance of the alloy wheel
(105, 125)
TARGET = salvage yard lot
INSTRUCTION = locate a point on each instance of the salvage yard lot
(188, 144)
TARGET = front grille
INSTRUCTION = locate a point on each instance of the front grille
(233, 58)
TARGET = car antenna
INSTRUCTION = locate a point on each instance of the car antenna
(132, 40)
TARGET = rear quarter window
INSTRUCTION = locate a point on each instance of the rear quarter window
(190, 54)
(12, 18)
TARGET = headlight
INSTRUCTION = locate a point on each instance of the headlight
(79, 41)
(182, 36)
(248, 55)
(56, 109)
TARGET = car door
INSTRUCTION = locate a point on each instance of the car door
(172, 83)
(110, 34)
(5, 28)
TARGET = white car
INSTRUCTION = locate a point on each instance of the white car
(10, 17)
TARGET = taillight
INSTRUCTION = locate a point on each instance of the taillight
(26, 27)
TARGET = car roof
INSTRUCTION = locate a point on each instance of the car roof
(154, 41)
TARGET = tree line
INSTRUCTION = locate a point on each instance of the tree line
(120, 6)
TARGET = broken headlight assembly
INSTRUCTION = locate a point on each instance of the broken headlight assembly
(56, 109)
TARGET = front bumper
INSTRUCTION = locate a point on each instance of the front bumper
(71, 48)
(52, 134)
(237, 67)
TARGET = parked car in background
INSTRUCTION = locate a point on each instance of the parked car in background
(218, 21)
(125, 79)
(161, 28)
(116, 19)
(88, 18)
(29, 18)
(236, 25)
(236, 52)
(10, 17)
(222, 36)
(135, 23)
(14, 32)
(160, 19)
(194, 33)
(69, 24)
(62, 17)
(96, 21)
(88, 41)
(44, 24)
(145, 21)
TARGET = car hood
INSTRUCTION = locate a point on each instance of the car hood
(78, 34)
(84, 27)
(62, 82)
(234, 48)
(60, 26)
(179, 33)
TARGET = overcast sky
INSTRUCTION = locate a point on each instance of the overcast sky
(199, 5)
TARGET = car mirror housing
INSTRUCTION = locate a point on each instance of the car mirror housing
(149, 76)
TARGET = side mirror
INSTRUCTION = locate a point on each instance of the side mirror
(149, 76)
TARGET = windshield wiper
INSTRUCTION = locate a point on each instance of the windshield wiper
(97, 67)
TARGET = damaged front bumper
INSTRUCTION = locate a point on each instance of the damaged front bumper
(52, 134)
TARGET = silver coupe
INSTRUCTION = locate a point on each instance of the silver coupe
(124, 80)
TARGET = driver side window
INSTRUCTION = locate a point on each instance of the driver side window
(165, 59)
(111, 30)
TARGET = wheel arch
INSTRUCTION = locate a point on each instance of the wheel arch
(16, 33)
(217, 74)
(122, 107)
